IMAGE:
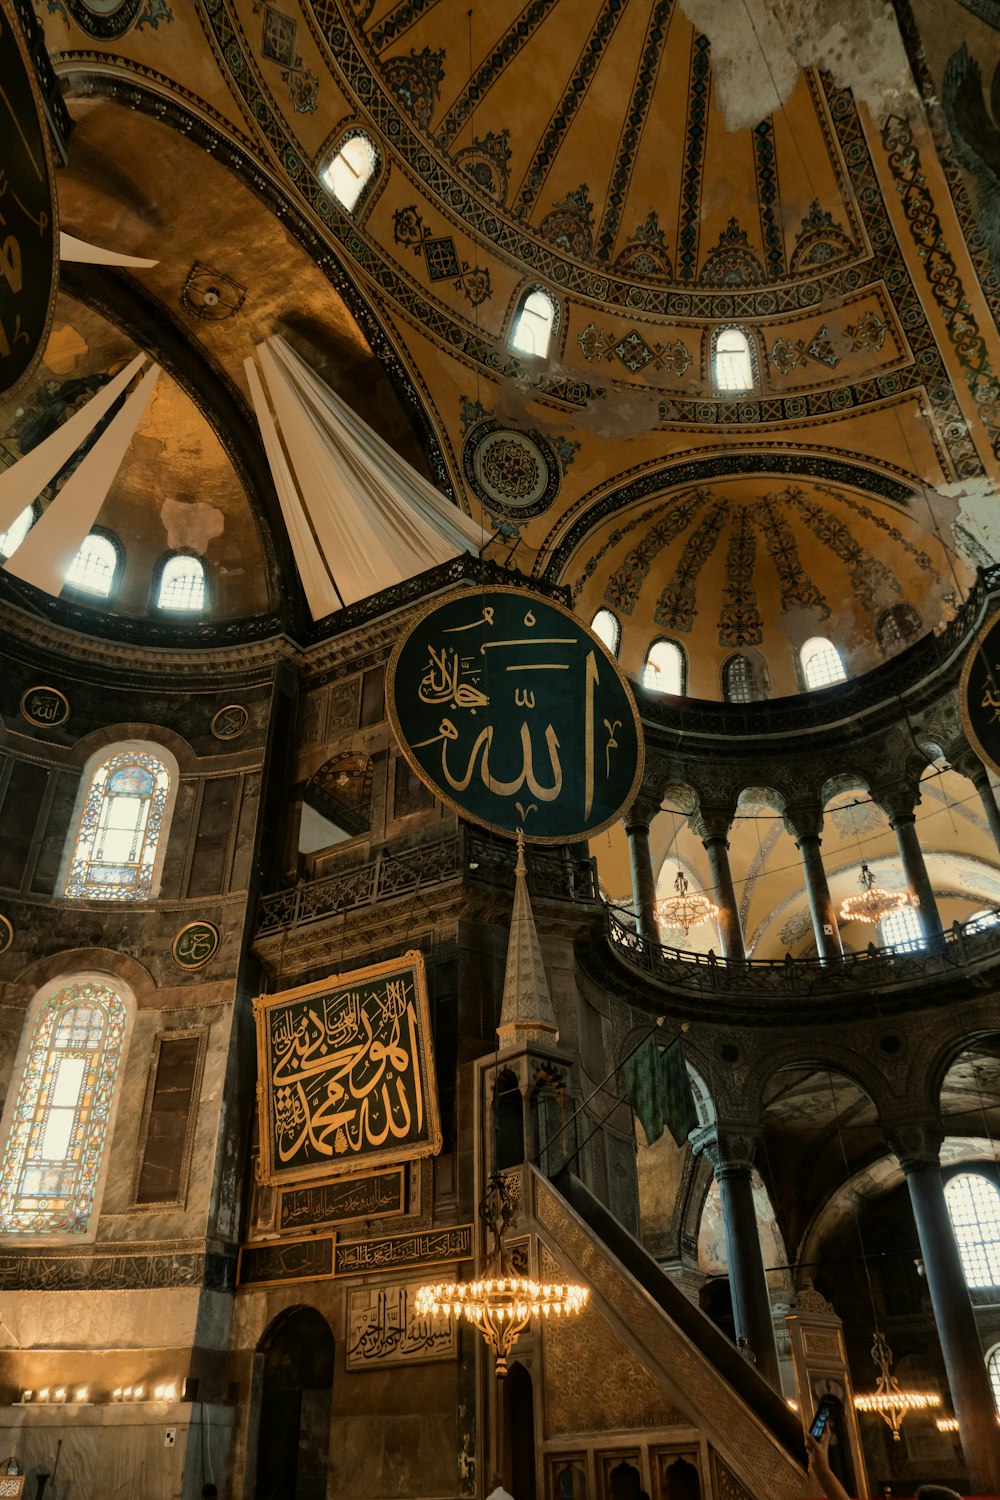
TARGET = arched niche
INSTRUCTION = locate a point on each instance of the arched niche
(519, 1432)
(294, 1361)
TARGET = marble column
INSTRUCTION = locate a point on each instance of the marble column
(804, 822)
(899, 803)
(712, 826)
(637, 822)
(917, 1145)
(731, 1156)
(968, 764)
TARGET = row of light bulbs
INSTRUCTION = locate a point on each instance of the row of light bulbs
(60, 1395)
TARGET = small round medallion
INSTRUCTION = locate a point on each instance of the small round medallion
(45, 707)
(195, 944)
(6, 933)
(104, 19)
(514, 472)
(230, 722)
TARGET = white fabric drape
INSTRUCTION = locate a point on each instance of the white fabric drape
(371, 517)
(70, 248)
(24, 481)
(47, 552)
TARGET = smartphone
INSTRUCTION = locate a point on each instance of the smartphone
(824, 1412)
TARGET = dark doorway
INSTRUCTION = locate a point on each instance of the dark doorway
(508, 1111)
(296, 1392)
(519, 1433)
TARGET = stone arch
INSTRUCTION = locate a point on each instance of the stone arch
(292, 1391)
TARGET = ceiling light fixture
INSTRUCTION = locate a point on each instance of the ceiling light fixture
(892, 1403)
(686, 908)
(873, 902)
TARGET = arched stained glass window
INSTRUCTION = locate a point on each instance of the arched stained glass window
(732, 363)
(901, 929)
(16, 532)
(120, 829)
(974, 1205)
(607, 627)
(664, 670)
(822, 665)
(349, 171)
(94, 567)
(182, 584)
(534, 323)
(57, 1133)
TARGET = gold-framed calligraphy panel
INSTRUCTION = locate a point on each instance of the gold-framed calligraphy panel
(979, 694)
(383, 1329)
(516, 715)
(345, 1073)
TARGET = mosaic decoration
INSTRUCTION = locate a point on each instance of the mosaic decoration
(768, 199)
(399, 1252)
(675, 608)
(230, 722)
(195, 944)
(120, 829)
(104, 19)
(689, 221)
(487, 162)
(376, 1196)
(971, 130)
(740, 623)
(819, 243)
(570, 225)
(786, 356)
(634, 120)
(383, 1329)
(634, 352)
(345, 1073)
(870, 578)
(278, 37)
(211, 295)
(416, 82)
(471, 667)
(397, 20)
(798, 591)
(868, 333)
(45, 707)
(341, 791)
(6, 933)
(53, 1153)
(118, 1270)
(920, 557)
(513, 471)
(286, 1260)
(443, 264)
(645, 253)
(622, 590)
(504, 51)
(732, 262)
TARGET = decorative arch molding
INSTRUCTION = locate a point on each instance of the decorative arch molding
(126, 89)
(95, 740)
(109, 962)
(655, 481)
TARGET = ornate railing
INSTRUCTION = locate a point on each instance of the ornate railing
(387, 873)
(966, 948)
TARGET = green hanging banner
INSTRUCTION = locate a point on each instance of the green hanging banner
(514, 714)
(979, 695)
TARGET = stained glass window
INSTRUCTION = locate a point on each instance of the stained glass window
(182, 583)
(53, 1153)
(974, 1205)
(120, 829)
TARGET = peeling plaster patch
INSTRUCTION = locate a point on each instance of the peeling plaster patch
(759, 47)
(64, 348)
(191, 523)
(975, 516)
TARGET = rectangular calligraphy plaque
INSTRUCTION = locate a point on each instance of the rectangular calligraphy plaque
(383, 1329)
(285, 1260)
(400, 1251)
(345, 1077)
(372, 1197)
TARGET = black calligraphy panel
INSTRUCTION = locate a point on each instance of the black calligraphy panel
(345, 1075)
(979, 695)
(374, 1196)
(28, 262)
(516, 715)
(398, 1252)
(285, 1260)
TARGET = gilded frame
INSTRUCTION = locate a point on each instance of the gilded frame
(410, 962)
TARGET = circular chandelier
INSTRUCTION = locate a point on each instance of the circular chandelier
(686, 908)
(500, 1303)
(891, 1403)
(872, 902)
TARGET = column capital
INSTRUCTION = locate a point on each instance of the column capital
(713, 820)
(642, 812)
(915, 1143)
(730, 1149)
(804, 819)
(898, 800)
(966, 762)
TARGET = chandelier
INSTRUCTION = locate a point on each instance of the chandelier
(873, 902)
(500, 1303)
(686, 909)
(891, 1403)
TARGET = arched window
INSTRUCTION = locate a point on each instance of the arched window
(607, 627)
(901, 930)
(534, 323)
(898, 626)
(981, 920)
(59, 1124)
(665, 669)
(94, 567)
(732, 363)
(182, 584)
(993, 1369)
(739, 681)
(121, 828)
(821, 663)
(16, 532)
(974, 1205)
(350, 169)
